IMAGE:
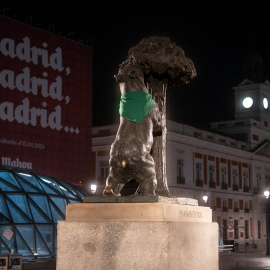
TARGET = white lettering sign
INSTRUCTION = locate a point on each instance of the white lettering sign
(26, 83)
(6, 161)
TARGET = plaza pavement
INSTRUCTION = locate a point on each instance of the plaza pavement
(244, 261)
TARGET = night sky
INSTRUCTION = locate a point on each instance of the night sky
(215, 35)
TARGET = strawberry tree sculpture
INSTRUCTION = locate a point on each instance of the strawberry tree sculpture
(164, 65)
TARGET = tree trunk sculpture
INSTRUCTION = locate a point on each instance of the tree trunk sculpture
(165, 66)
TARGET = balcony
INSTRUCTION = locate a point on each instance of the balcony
(199, 183)
(235, 188)
(245, 189)
(224, 186)
(246, 210)
(258, 190)
(101, 181)
(236, 209)
(224, 208)
(212, 184)
(181, 180)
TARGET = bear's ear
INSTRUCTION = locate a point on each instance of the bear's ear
(118, 78)
(132, 74)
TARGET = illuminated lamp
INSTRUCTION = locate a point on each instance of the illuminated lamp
(266, 194)
(93, 188)
(247, 102)
(265, 103)
(205, 198)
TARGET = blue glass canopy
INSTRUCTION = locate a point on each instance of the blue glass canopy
(30, 206)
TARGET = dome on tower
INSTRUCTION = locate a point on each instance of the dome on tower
(253, 65)
(253, 56)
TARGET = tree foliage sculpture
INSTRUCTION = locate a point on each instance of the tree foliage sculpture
(165, 65)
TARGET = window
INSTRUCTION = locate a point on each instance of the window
(218, 202)
(258, 180)
(246, 230)
(267, 179)
(180, 168)
(224, 229)
(246, 207)
(259, 229)
(236, 207)
(235, 179)
(236, 229)
(245, 180)
(223, 178)
(104, 171)
(241, 205)
(198, 174)
(211, 176)
(255, 137)
(225, 206)
(211, 170)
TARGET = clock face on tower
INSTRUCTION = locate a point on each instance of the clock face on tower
(247, 102)
(265, 103)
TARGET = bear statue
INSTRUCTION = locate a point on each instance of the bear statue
(130, 154)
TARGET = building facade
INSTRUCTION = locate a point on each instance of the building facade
(230, 163)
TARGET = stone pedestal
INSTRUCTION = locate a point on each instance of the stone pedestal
(143, 236)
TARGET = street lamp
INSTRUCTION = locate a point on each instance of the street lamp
(266, 194)
(205, 198)
(93, 188)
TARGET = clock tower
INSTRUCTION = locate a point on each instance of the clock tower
(252, 100)
(252, 105)
(252, 95)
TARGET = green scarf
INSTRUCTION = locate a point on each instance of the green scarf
(135, 105)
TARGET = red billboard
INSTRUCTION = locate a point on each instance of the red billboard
(45, 102)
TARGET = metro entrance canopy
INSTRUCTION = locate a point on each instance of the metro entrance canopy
(30, 206)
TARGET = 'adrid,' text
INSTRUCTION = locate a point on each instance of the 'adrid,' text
(45, 114)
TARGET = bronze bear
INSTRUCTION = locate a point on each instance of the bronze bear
(130, 155)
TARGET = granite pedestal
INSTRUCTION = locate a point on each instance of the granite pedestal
(158, 235)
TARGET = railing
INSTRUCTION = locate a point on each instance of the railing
(245, 189)
(212, 184)
(235, 187)
(225, 209)
(199, 183)
(245, 247)
(257, 190)
(180, 180)
(236, 209)
(224, 186)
